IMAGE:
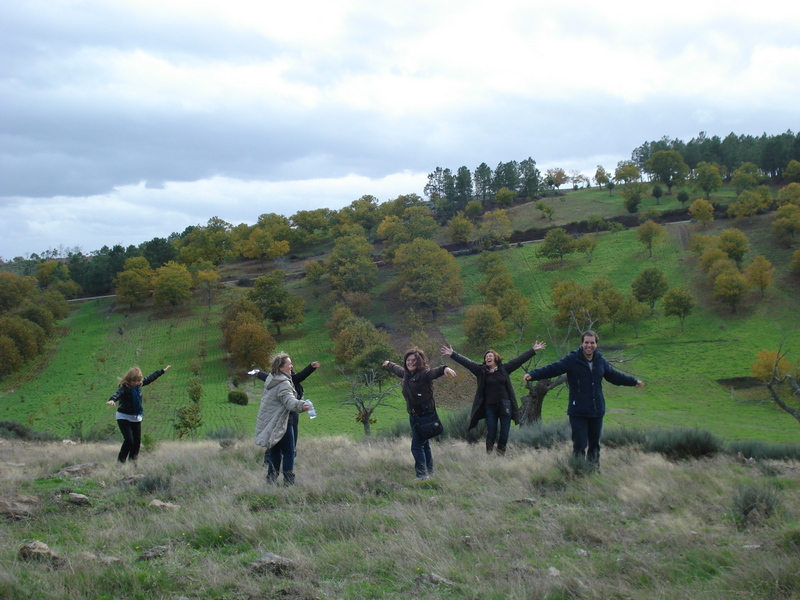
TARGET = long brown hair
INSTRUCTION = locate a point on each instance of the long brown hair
(422, 360)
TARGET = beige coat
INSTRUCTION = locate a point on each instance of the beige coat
(277, 402)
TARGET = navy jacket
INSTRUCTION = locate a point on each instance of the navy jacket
(124, 396)
(585, 383)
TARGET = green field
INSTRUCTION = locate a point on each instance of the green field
(65, 391)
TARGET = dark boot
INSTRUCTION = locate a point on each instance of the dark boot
(272, 475)
(288, 478)
(489, 447)
(501, 450)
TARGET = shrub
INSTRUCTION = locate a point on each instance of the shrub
(619, 437)
(238, 397)
(681, 444)
(223, 433)
(753, 502)
(17, 431)
(154, 483)
(538, 435)
(456, 427)
(762, 450)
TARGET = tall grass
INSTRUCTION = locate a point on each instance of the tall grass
(358, 525)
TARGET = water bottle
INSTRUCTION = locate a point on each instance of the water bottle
(312, 413)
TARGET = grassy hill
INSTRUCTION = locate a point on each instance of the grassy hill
(692, 377)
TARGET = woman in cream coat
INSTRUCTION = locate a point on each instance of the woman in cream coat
(272, 425)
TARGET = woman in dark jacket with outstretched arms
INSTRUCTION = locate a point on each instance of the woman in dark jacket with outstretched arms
(586, 369)
(494, 399)
(418, 392)
(130, 410)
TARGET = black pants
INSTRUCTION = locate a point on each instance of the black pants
(132, 436)
(586, 432)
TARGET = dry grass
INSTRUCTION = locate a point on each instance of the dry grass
(359, 526)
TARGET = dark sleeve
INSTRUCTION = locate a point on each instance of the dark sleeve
(302, 375)
(552, 370)
(395, 370)
(516, 363)
(115, 396)
(468, 364)
(262, 375)
(611, 375)
(152, 377)
(436, 372)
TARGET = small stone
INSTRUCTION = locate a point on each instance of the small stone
(79, 499)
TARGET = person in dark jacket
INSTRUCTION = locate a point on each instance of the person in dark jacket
(130, 411)
(585, 368)
(418, 392)
(494, 399)
(297, 380)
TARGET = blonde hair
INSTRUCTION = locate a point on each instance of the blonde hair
(133, 374)
(277, 362)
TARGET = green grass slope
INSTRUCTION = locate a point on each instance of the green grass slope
(685, 372)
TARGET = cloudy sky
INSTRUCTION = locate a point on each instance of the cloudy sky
(125, 120)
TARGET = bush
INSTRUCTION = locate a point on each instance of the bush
(762, 450)
(456, 427)
(154, 483)
(538, 435)
(223, 433)
(238, 397)
(619, 437)
(17, 431)
(681, 444)
(753, 502)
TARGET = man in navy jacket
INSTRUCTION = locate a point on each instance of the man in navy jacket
(585, 368)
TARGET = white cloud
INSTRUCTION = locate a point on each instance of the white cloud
(230, 106)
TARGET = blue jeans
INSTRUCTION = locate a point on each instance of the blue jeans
(586, 432)
(282, 451)
(420, 450)
(493, 415)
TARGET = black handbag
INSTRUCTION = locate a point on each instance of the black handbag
(428, 425)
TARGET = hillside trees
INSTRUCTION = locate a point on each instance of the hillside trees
(557, 243)
(416, 222)
(774, 370)
(244, 334)
(650, 233)
(351, 266)
(786, 223)
(172, 285)
(702, 211)
(495, 227)
(278, 305)
(707, 177)
(650, 286)
(366, 394)
(134, 282)
(759, 273)
(668, 167)
(460, 228)
(678, 302)
(483, 325)
(428, 277)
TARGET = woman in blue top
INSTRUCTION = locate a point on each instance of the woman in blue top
(586, 369)
(130, 411)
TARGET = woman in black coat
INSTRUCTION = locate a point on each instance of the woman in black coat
(494, 399)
